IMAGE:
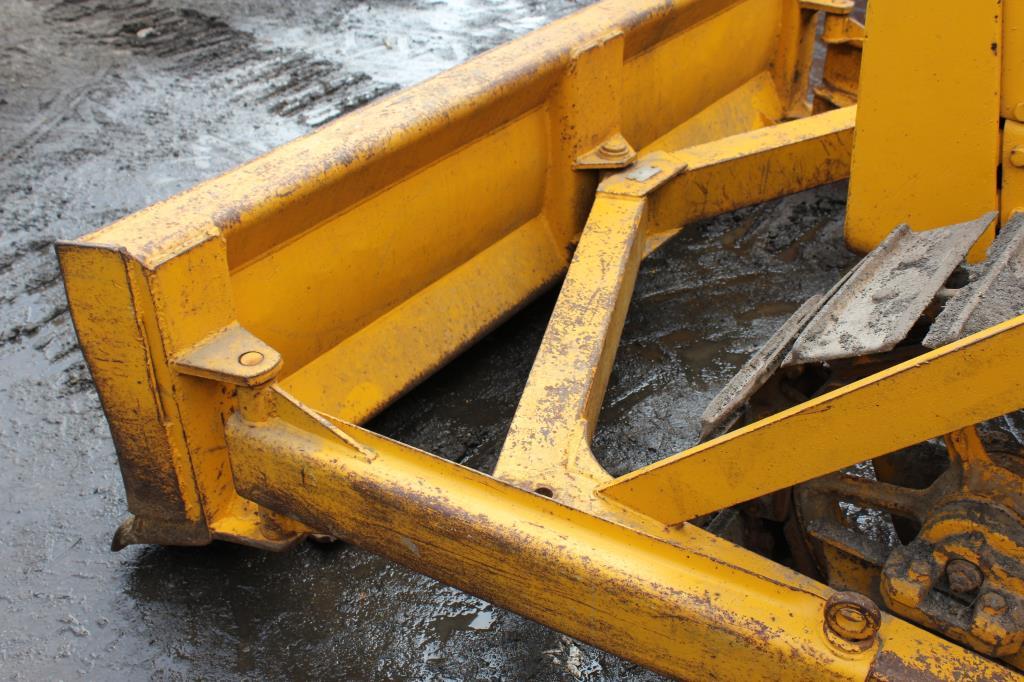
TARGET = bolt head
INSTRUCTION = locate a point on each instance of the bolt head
(1018, 112)
(1017, 157)
(851, 620)
(992, 603)
(614, 149)
(963, 576)
(250, 358)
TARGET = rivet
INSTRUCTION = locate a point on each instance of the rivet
(1017, 157)
(1018, 112)
(250, 358)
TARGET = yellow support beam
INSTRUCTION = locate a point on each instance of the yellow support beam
(548, 443)
(547, 447)
(687, 605)
(969, 381)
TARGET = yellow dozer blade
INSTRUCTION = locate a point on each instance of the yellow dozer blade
(239, 333)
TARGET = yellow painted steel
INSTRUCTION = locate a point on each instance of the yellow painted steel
(903, 405)
(238, 332)
(840, 76)
(1012, 85)
(927, 144)
(1011, 190)
(372, 251)
(679, 601)
(548, 443)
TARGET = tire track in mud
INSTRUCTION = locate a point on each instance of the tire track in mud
(35, 315)
(186, 43)
(289, 83)
(54, 114)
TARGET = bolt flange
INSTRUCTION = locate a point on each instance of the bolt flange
(851, 621)
(613, 150)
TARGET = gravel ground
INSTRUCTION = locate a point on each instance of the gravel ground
(108, 106)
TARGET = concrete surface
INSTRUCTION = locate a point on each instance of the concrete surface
(107, 106)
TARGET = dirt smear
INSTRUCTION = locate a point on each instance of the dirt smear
(106, 107)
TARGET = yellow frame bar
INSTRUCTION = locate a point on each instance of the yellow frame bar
(678, 601)
(210, 321)
(893, 409)
(336, 251)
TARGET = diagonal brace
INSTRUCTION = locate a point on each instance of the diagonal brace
(977, 378)
(548, 444)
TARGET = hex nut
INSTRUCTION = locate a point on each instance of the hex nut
(963, 576)
(992, 603)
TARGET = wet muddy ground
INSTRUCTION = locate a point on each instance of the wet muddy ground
(107, 106)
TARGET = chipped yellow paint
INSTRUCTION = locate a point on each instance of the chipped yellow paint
(680, 601)
(903, 405)
(239, 331)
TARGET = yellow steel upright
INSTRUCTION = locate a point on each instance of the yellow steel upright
(1011, 187)
(926, 148)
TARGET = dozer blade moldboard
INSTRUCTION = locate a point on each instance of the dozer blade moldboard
(241, 332)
